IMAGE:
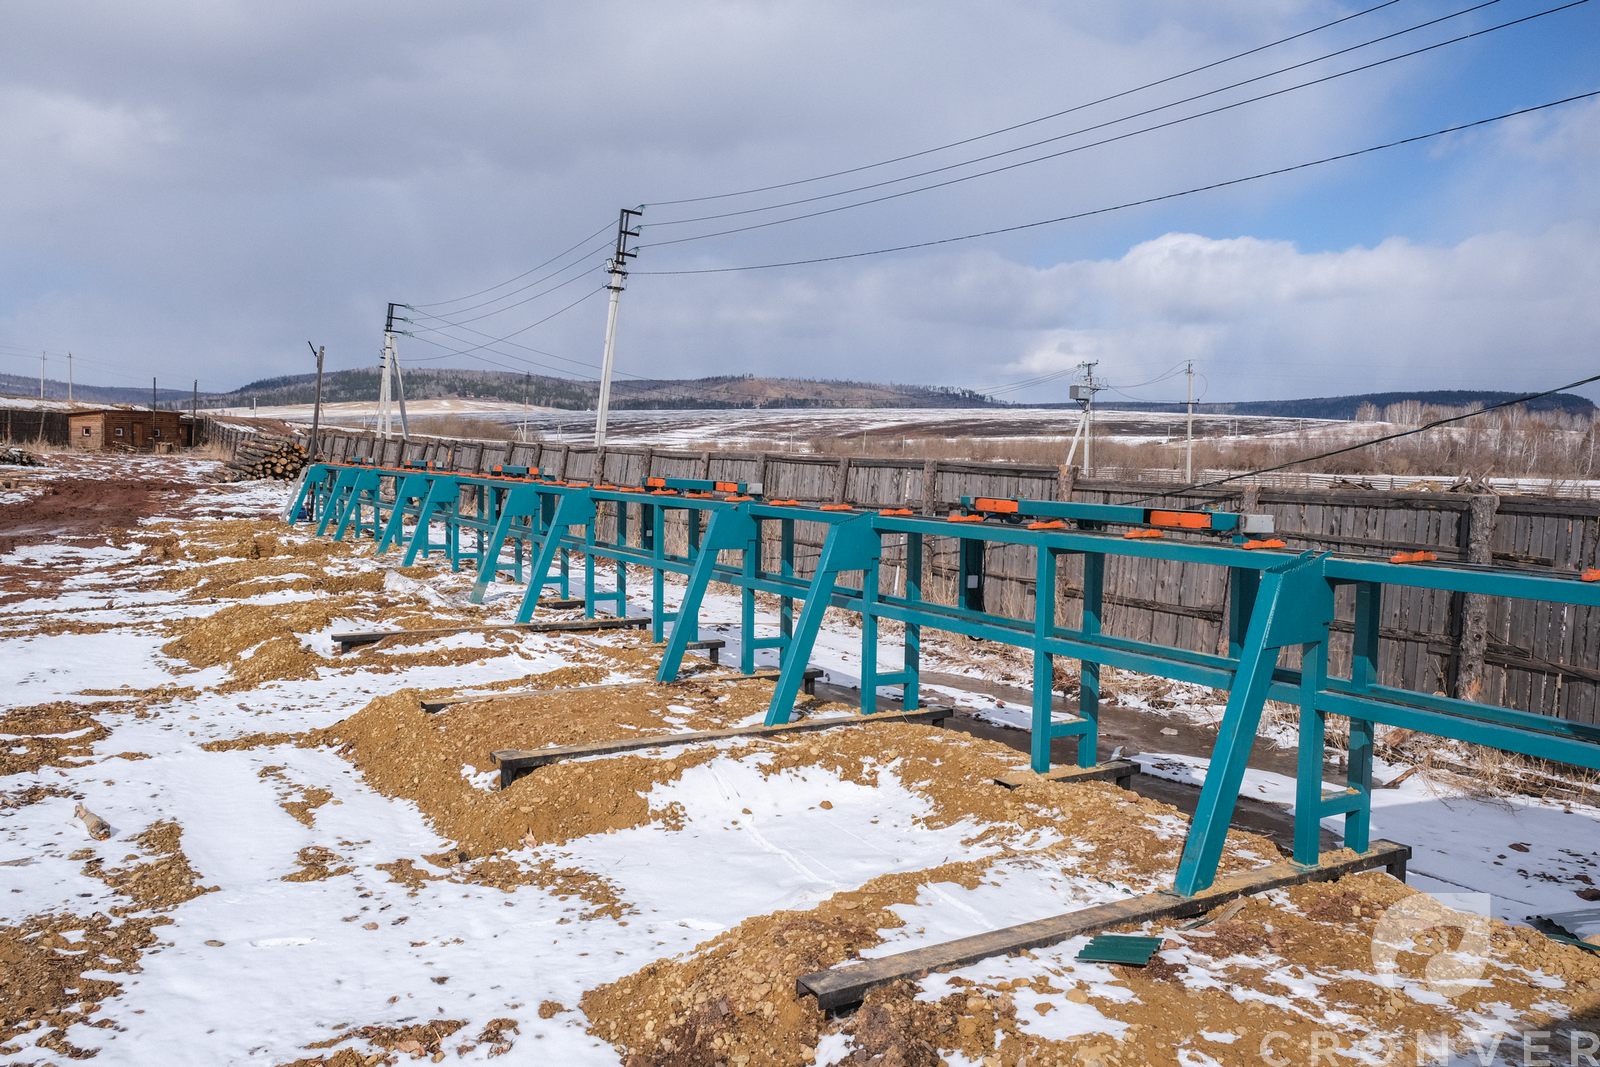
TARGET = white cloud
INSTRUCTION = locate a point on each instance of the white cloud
(216, 182)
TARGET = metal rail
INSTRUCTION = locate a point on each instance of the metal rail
(1278, 599)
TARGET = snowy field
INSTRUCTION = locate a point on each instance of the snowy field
(794, 429)
(305, 868)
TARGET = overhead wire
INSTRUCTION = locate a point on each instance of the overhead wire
(1126, 205)
(656, 224)
(524, 274)
(1369, 442)
(519, 303)
(1034, 121)
(1284, 90)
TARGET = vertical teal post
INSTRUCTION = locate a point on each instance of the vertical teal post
(786, 568)
(1044, 619)
(1364, 674)
(869, 639)
(1094, 584)
(912, 694)
(1308, 801)
(751, 569)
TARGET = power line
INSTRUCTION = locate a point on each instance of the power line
(525, 329)
(1414, 139)
(1034, 121)
(1435, 424)
(508, 307)
(1112, 139)
(524, 274)
(1097, 126)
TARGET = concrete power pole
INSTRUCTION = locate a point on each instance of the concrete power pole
(384, 425)
(42, 356)
(69, 377)
(618, 269)
(391, 369)
(316, 409)
(1083, 393)
(1188, 447)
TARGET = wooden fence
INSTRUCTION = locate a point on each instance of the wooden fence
(1542, 658)
(25, 426)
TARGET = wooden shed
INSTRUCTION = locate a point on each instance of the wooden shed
(127, 429)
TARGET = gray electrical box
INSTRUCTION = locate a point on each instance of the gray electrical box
(1081, 392)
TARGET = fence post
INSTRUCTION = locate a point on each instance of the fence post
(1065, 476)
(930, 486)
(1473, 626)
(843, 488)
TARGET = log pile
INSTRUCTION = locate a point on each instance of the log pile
(16, 457)
(265, 456)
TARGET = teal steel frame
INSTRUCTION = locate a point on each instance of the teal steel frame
(1278, 600)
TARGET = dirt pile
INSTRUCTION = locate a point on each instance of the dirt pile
(1287, 974)
(266, 633)
(405, 752)
(733, 1000)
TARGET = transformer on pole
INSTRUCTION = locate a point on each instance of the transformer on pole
(1083, 393)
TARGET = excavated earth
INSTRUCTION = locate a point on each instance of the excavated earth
(344, 753)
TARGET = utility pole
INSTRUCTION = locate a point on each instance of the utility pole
(527, 383)
(41, 374)
(316, 410)
(1188, 448)
(194, 415)
(618, 269)
(386, 393)
(383, 380)
(69, 377)
(1083, 393)
(152, 394)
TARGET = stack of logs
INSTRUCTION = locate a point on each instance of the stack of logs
(16, 457)
(265, 456)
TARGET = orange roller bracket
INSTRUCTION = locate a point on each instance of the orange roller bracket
(956, 516)
(1421, 556)
(893, 512)
(1183, 520)
(1271, 543)
(993, 504)
(1142, 535)
(1591, 575)
(1051, 524)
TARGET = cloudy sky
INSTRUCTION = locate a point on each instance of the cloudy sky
(198, 188)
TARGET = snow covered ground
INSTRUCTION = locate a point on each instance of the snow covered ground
(295, 870)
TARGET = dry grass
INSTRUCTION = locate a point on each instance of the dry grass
(1511, 443)
(462, 426)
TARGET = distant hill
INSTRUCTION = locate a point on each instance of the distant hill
(23, 386)
(727, 391)
(730, 391)
(1346, 407)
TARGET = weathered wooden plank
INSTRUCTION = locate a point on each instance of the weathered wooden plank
(515, 762)
(347, 641)
(845, 985)
(1119, 771)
